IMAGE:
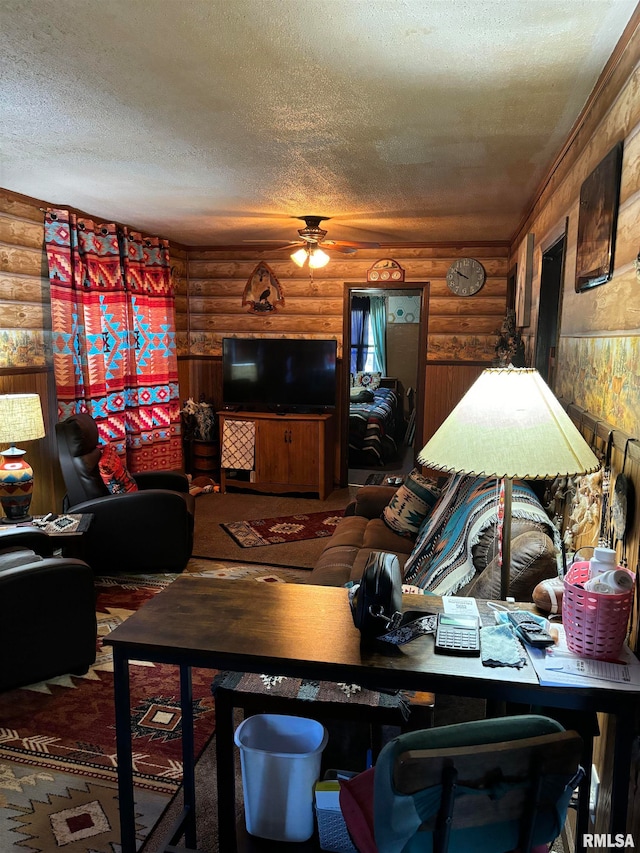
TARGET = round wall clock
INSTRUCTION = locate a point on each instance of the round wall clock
(465, 276)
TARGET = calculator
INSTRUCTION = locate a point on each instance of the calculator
(458, 635)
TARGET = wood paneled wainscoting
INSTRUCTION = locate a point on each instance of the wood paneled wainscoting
(596, 432)
(48, 487)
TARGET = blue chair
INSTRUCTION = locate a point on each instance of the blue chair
(491, 786)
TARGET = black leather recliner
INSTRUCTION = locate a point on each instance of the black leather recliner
(150, 530)
(47, 611)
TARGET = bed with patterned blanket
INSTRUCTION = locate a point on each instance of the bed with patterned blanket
(373, 426)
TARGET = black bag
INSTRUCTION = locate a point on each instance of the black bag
(376, 605)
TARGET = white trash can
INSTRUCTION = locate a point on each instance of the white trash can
(280, 760)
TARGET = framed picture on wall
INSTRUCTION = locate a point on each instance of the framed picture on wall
(597, 220)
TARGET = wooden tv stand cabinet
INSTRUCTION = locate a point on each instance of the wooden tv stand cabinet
(293, 453)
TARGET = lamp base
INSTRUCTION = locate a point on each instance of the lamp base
(20, 520)
(16, 485)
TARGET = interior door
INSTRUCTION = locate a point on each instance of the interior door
(551, 278)
(422, 289)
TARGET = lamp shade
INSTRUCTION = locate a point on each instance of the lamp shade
(509, 424)
(20, 418)
(318, 259)
(299, 257)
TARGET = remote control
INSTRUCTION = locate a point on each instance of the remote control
(529, 630)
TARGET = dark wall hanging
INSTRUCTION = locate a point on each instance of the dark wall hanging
(262, 292)
(597, 221)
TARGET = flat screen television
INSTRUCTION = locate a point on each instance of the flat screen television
(260, 374)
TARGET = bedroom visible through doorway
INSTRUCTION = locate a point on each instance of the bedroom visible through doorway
(384, 335)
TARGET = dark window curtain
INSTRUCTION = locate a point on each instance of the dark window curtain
(360, 307)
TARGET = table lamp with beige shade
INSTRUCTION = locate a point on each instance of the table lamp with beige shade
(20, 420)
(509, 425)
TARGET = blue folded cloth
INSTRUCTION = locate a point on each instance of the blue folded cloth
(499, 646)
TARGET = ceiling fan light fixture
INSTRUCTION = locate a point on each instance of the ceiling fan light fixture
(299, 257)
(318, 259)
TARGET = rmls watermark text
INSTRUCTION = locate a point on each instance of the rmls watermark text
(605, 841)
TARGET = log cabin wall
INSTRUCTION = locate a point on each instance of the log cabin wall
(26, 362)
(209, 284)
(596, 372)
(462, 331)
(25, 334)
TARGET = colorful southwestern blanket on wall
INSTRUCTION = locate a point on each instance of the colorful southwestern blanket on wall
(442, 561)
(113, 336)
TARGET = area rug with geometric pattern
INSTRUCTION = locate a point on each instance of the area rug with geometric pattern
(286, 528)
(58, 785)
(58, 748)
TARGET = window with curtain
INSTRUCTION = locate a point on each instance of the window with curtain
(113, 336)
(360, 333)
(368, 333)
(378, 332)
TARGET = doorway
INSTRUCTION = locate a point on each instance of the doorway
(364, 458)
(550, 306)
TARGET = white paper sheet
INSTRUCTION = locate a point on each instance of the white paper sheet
(557, 666)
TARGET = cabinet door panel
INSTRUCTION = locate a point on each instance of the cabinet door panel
(303, 453)
(272, 457)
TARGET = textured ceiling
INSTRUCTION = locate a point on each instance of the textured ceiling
(214, 121)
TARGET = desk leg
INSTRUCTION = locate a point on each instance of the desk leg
(124, 751)
(188, 757)
(584, 793)
(225, 774)
(623, 747)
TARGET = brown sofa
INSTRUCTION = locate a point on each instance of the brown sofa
(362, 530)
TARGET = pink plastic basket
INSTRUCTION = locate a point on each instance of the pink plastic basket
(595, 623)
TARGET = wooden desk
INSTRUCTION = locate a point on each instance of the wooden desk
(307, 632)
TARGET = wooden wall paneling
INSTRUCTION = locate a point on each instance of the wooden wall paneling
(460, 330)
(615, 102)
(180, 277)
(445, 386)
(589, 423)
(231, 305)
(295, 288)
(42, 455)
(25, 313)
(274, 324)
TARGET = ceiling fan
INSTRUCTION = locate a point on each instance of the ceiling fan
(311, 237)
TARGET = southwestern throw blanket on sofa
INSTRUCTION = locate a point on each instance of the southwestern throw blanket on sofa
(441, 561)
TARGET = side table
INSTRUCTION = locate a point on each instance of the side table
(66, 531)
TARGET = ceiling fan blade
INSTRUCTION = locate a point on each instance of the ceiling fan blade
(351, 244)
(344, 250)
(278, 244)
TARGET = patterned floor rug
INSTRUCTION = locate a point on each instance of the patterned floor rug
(288, 528)
(57, 742)
(240, 571)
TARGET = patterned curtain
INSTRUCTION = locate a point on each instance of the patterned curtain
(379, 331)
(112, 314)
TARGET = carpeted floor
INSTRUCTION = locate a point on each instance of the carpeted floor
(212, 510)
(57, 744)
(58, 786)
